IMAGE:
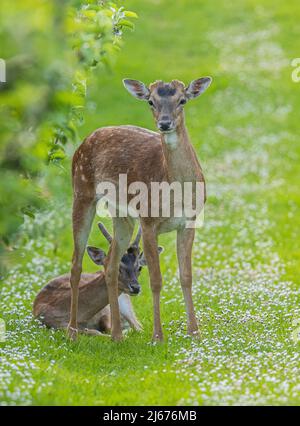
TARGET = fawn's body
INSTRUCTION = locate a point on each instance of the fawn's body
(147, 157)
(52, 304)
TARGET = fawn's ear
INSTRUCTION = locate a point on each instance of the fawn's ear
(142, 260)
(97, 255)
(197, 87)
(136, 88)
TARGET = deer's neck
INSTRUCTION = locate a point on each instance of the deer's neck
(180, 158)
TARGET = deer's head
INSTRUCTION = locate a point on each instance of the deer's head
(131, 262)
(167, 100)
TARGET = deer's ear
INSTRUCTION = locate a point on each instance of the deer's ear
(137, 89)
(97, 255)
(197, 87)
(133, 249)
(142, 260)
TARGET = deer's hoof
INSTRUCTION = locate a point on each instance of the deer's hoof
(158, 337)
(72, 333)
(194, 333)
(118, 337)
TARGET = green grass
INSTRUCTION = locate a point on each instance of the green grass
(246, 257)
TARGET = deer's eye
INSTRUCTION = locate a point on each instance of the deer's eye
(182, 101)
(151, 103)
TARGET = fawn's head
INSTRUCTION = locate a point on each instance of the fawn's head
(130, 265)
(167, 99)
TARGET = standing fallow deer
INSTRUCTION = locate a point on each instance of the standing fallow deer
(144, 156)
(52, 304)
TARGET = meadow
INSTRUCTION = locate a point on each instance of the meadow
(245, 129)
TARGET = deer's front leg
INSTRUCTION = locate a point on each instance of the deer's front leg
(72, 329)
(185, 239)
(111, 277)
(123, 229)
(152, 258)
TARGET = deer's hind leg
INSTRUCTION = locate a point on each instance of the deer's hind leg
(92, 332)
(185, 239)
(152, 257)
(100, 321)
(84, 208)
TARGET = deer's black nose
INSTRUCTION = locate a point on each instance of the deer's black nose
(134, 289)
(164, 125)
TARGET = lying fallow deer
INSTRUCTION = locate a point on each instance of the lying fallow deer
(52, 304)
(144, 156)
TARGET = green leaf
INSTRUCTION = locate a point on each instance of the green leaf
(88, 13)
(130, 14)
(126, 23)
